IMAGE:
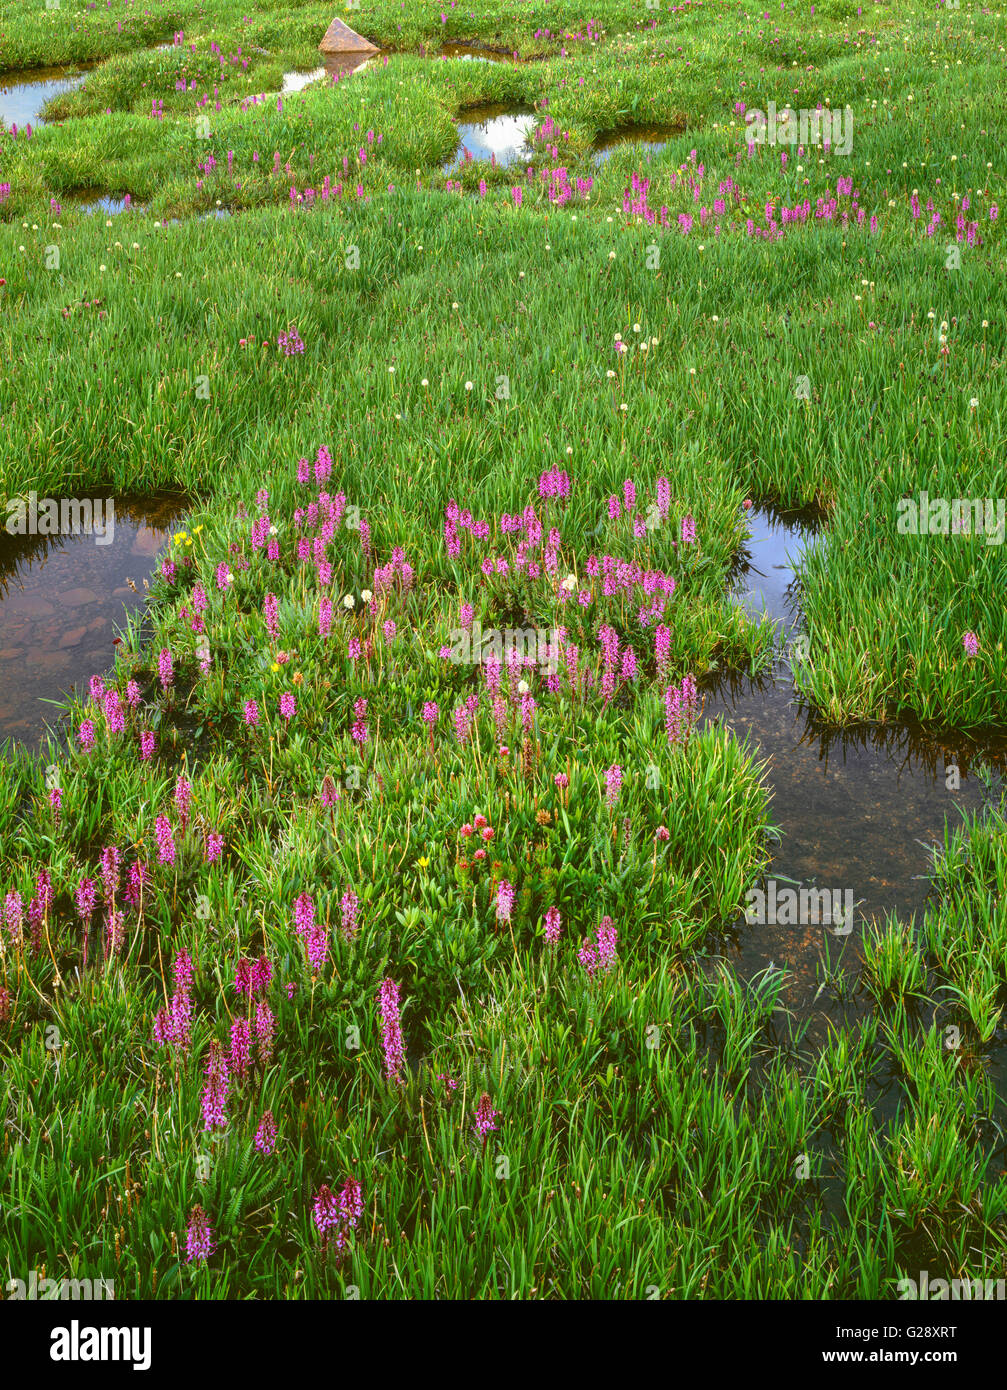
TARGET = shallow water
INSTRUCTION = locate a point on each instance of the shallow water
(62, 599)
(297, 81)
(23, 94)
(500, 131)
(857, 810)
(89, 204)
(473, 53)
(647, 139)
(342, 64)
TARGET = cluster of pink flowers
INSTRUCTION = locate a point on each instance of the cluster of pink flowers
(199, 1245)
(391, 1032)
(350, 914)
(336, 1214)
(600, 955)
(265, 1135)
(215, 1092)
(311, 931)
(680, 710)
(173, 1025)
(486, 1118)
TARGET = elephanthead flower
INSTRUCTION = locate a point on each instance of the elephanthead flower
(165, 841)
(265, 1135)
(486, 1117)
(198, 1238)
(391, 1031)
(165, 668)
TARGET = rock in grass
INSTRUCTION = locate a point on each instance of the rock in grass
(340, 38)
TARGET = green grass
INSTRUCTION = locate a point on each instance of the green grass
(663, 1126)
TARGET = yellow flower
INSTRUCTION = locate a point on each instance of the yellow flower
(422, 863)
(196, 530)
(188, 540)
(275, 667)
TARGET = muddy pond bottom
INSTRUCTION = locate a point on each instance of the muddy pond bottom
(62, 599)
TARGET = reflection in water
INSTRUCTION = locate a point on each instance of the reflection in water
(497, 131)
(297, 81)
(23, 94)
(87, 203)
(339, 65)
(61, 599)
(857, 809)
(474, 52)
(648, 139)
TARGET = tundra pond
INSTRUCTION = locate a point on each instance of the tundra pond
(345, 955)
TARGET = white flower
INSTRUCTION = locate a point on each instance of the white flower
(692, 371)
(455, 305)
(636, 328)
(101, 267)
(974, 402)
(569, 583)
(391, 370)
(108, 222)
(610, 372)
(468, 386)
(523, 687)
(348, 601)
(273, 531)
(569, 448)
(366, 595)
(424, 382)
(986, 323)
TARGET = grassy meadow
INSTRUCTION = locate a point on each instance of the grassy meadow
(278, 1019)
